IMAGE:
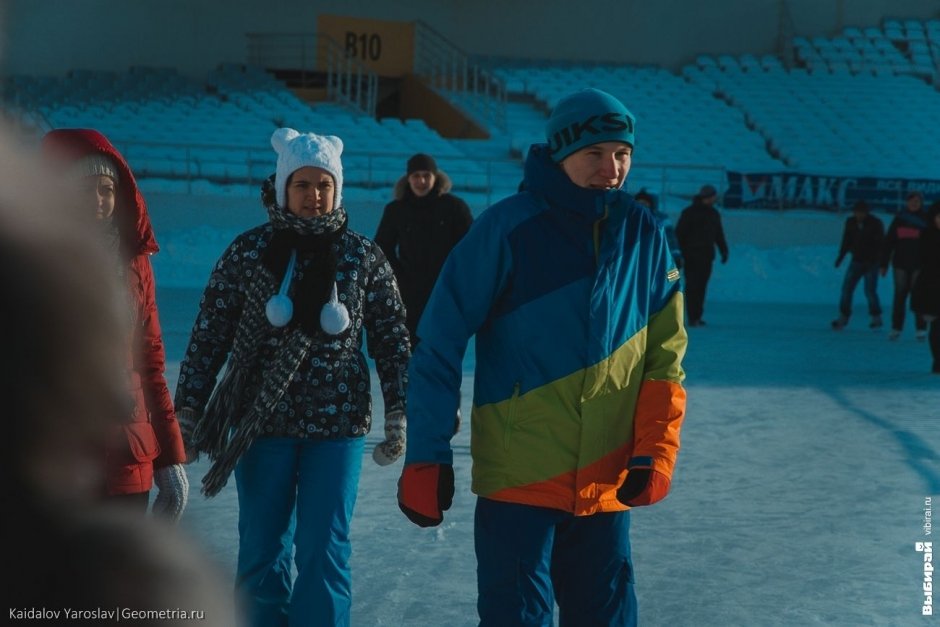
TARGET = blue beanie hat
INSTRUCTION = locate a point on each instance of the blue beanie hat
(587, 117)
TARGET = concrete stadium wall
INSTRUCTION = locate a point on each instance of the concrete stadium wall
(50, 37)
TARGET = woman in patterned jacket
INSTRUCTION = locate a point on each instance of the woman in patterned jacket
(287, 306)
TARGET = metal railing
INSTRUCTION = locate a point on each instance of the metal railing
(493, 178)
(447, 68)
(489, 179)
(313, 55)
(285, 51)
(348, 79)
(673, 182)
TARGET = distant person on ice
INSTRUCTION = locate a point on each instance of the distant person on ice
(418, 230)
(699, 231)
(863, 238)
(925, 296)
(902, 251)
(573, 295)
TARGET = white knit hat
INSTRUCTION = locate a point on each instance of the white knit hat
(296, 150)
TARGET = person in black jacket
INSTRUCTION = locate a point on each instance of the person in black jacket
(418, 230)
(863, 238)
(902, 243)
(699, 232)
(925, 295)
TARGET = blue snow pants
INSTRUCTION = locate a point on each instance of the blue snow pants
(296, 492)
(529, 558)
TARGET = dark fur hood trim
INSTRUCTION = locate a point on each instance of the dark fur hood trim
(442, 186)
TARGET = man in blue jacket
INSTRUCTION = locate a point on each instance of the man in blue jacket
(573, 295)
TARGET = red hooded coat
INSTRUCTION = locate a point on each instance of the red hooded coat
(150, 436)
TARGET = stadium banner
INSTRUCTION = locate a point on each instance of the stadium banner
(787, 190)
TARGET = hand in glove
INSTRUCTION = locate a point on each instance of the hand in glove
(187, 419)
(425, 492)
(173, 491)
(643, 485)
(393, 446)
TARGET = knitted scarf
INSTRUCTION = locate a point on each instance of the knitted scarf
(231, 422)
(315, 282)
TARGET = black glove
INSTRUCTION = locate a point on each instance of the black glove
(643, 485)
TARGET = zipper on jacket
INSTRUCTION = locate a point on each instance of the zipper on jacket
(597, 234)
(511, 415)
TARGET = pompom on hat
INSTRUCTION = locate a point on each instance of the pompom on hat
(296, 150)
(584, 118)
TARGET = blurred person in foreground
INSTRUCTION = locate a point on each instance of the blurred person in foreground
(699, 232)
(288, 305)
(902, 252)
(925, 295)
(574, 299)
(63, 382)
(148, 448)
(418, 230)
(863, 238)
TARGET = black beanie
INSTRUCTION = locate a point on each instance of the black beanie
(422, 162)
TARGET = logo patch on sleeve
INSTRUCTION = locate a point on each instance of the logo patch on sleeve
(672, 275)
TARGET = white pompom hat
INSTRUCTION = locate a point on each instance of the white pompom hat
(296, 150)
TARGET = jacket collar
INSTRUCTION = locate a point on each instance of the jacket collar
(545, 178)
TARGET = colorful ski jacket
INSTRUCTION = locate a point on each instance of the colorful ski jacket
(574, 299)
